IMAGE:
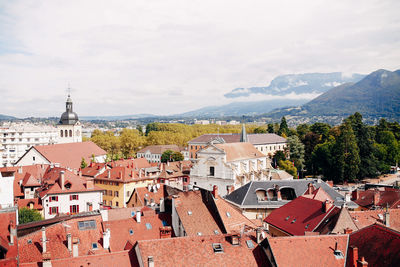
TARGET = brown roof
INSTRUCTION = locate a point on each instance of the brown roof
(343, 222)
(388, 197)
(368, 217)
(240, 151)
(267, 138)
(309, 250)
(143, 192)
(26, 203)
(255, 139)
(70, 155)
(30, 180)
(195, 215)
(159, 149)
(198, 251)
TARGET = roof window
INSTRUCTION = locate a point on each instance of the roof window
(216, 232)
(294, 220)
(190, 212)
(249, 244)
(95, 246)
(86, 225)
(338, 254)
(29, 241)
(287, 218)
(132, 213)
(228, 214)
(199, 233)
(130, 232)
(308, 225)
(217, 247)
(148, 226)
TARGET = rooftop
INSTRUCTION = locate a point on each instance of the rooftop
(240, 151)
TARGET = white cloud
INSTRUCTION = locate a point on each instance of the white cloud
(171, 56)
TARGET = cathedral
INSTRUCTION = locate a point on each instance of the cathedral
(69, 127)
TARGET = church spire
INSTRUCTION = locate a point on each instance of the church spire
(243, 134)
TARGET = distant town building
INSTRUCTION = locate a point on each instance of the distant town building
(154, 153)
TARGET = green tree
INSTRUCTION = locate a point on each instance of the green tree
(177, 156)
(270, 128)
(259, 130)
(130, 141)
(323, 159)
(347, 153)
(296, 150)
(26, 215)
(283, 127)
(302, 130)
(321, 129)
(83, 163)
(167, 156)
(278, 156)
(153, 126)
(310, 141)
(288, 166)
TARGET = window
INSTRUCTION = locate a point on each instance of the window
(189, 212)
(110, 203)
(117, 203)
(33, 158)
(217, 247)
(128, 193)
(104, 202)
(212, 171)
(94, 246)
(61, 133)
(132, 213)
(228, 214)
(116, 193)
(70, 133)
(74, 209)
(73, 197)
(148, 226)
(66, 133)
(53, 199)
(249, 244)
(86, 225)
(53, 210)
(110, 192)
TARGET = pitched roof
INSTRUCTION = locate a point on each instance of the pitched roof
(93, 168)
(194, 214)
(308, 250)
(240, 151)
(151, 196)
(30, 180)
(130, 230)
(205, 138)
(300, 215)
(379, 245)
(245, 196)
(70, 155)
(368, 217)
(159, 149)
(255, 139)
(266, 138)
(26, 203)
(389, 196)
(8, 217)
(198, 251)
(343, 222)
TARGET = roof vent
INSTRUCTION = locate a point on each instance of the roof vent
(228, 214)
(217, 247)
(199, 233)
(338, 254)
(189, 212)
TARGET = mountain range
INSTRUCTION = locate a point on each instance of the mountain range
(299, 84)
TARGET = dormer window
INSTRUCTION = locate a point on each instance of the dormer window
(68, 185)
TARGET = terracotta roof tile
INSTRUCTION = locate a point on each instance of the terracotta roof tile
(308, 250)
(8, 218)
(388, 197)
(26, 203)
(240, 151)
(368, 217)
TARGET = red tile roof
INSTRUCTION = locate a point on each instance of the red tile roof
(121, 229)
(8, 218)
(378, 244)
(300, 215)
(93, 168)
(319, 194)
(195, 215)
(368, 217)
(30, 180)
(389, 197)
(198, 251)
(26, 203)
(138, 163)
(240, 151)
(57, 240)
(143, 192)
(308, 250)
(70, 155)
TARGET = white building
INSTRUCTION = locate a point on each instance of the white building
(154, 153)
(17, 138)
(7, 189)
(66, 193)
(229, 163)
(69, 127)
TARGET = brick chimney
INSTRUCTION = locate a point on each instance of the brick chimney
(355, 195)
(165, 232)
(348, 231)
(69, 242)
(386, 218)
(19, 169)
(215, 191)
(61, 180)
(44, 240)
(109, 174)
(310, 189)
(327, 205)
(13, 232)
(362, 263)
(235, 239)
(377, 197)
(75, 247)
(353, 251)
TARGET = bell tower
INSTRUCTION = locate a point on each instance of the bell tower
(69, 127)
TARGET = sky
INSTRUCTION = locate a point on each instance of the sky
(169, 56)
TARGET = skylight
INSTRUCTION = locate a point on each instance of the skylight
(217, 247)
(130, 231)
(189, 212)
(199, 233)
(338, 254)
(249, 244)
(148, 226)
(287, 218)
(308, 225)
(132, 213)
(95, 246)
(29, 241)
(294, 220)
(216, 232)
(85, 225)
(228, 214)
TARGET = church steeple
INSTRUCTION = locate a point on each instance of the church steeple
(243, 134)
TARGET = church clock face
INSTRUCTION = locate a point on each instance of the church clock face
(77, 133)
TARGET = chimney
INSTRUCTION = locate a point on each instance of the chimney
(140, 173)
(109, 174)
(259, 235)
(347, 198)
(89, 184)
(61, 180)
(386, 217)
(44, 240)
(120, 175)
(326, 205)
(215, 191)
(75, 248)
(348, 231)
(165, 232)
(150, 261)
(19, 169)
(278, 194)
(362, 263)
(377, 197)
(138, 216)
(13, 232)
(353, 255)
(310, 189)
(330, 183)
(106, 239)
(69, 242)
(354, 195)
(162, 205)
(234, 240)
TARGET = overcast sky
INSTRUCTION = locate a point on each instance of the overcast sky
(166, 57)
